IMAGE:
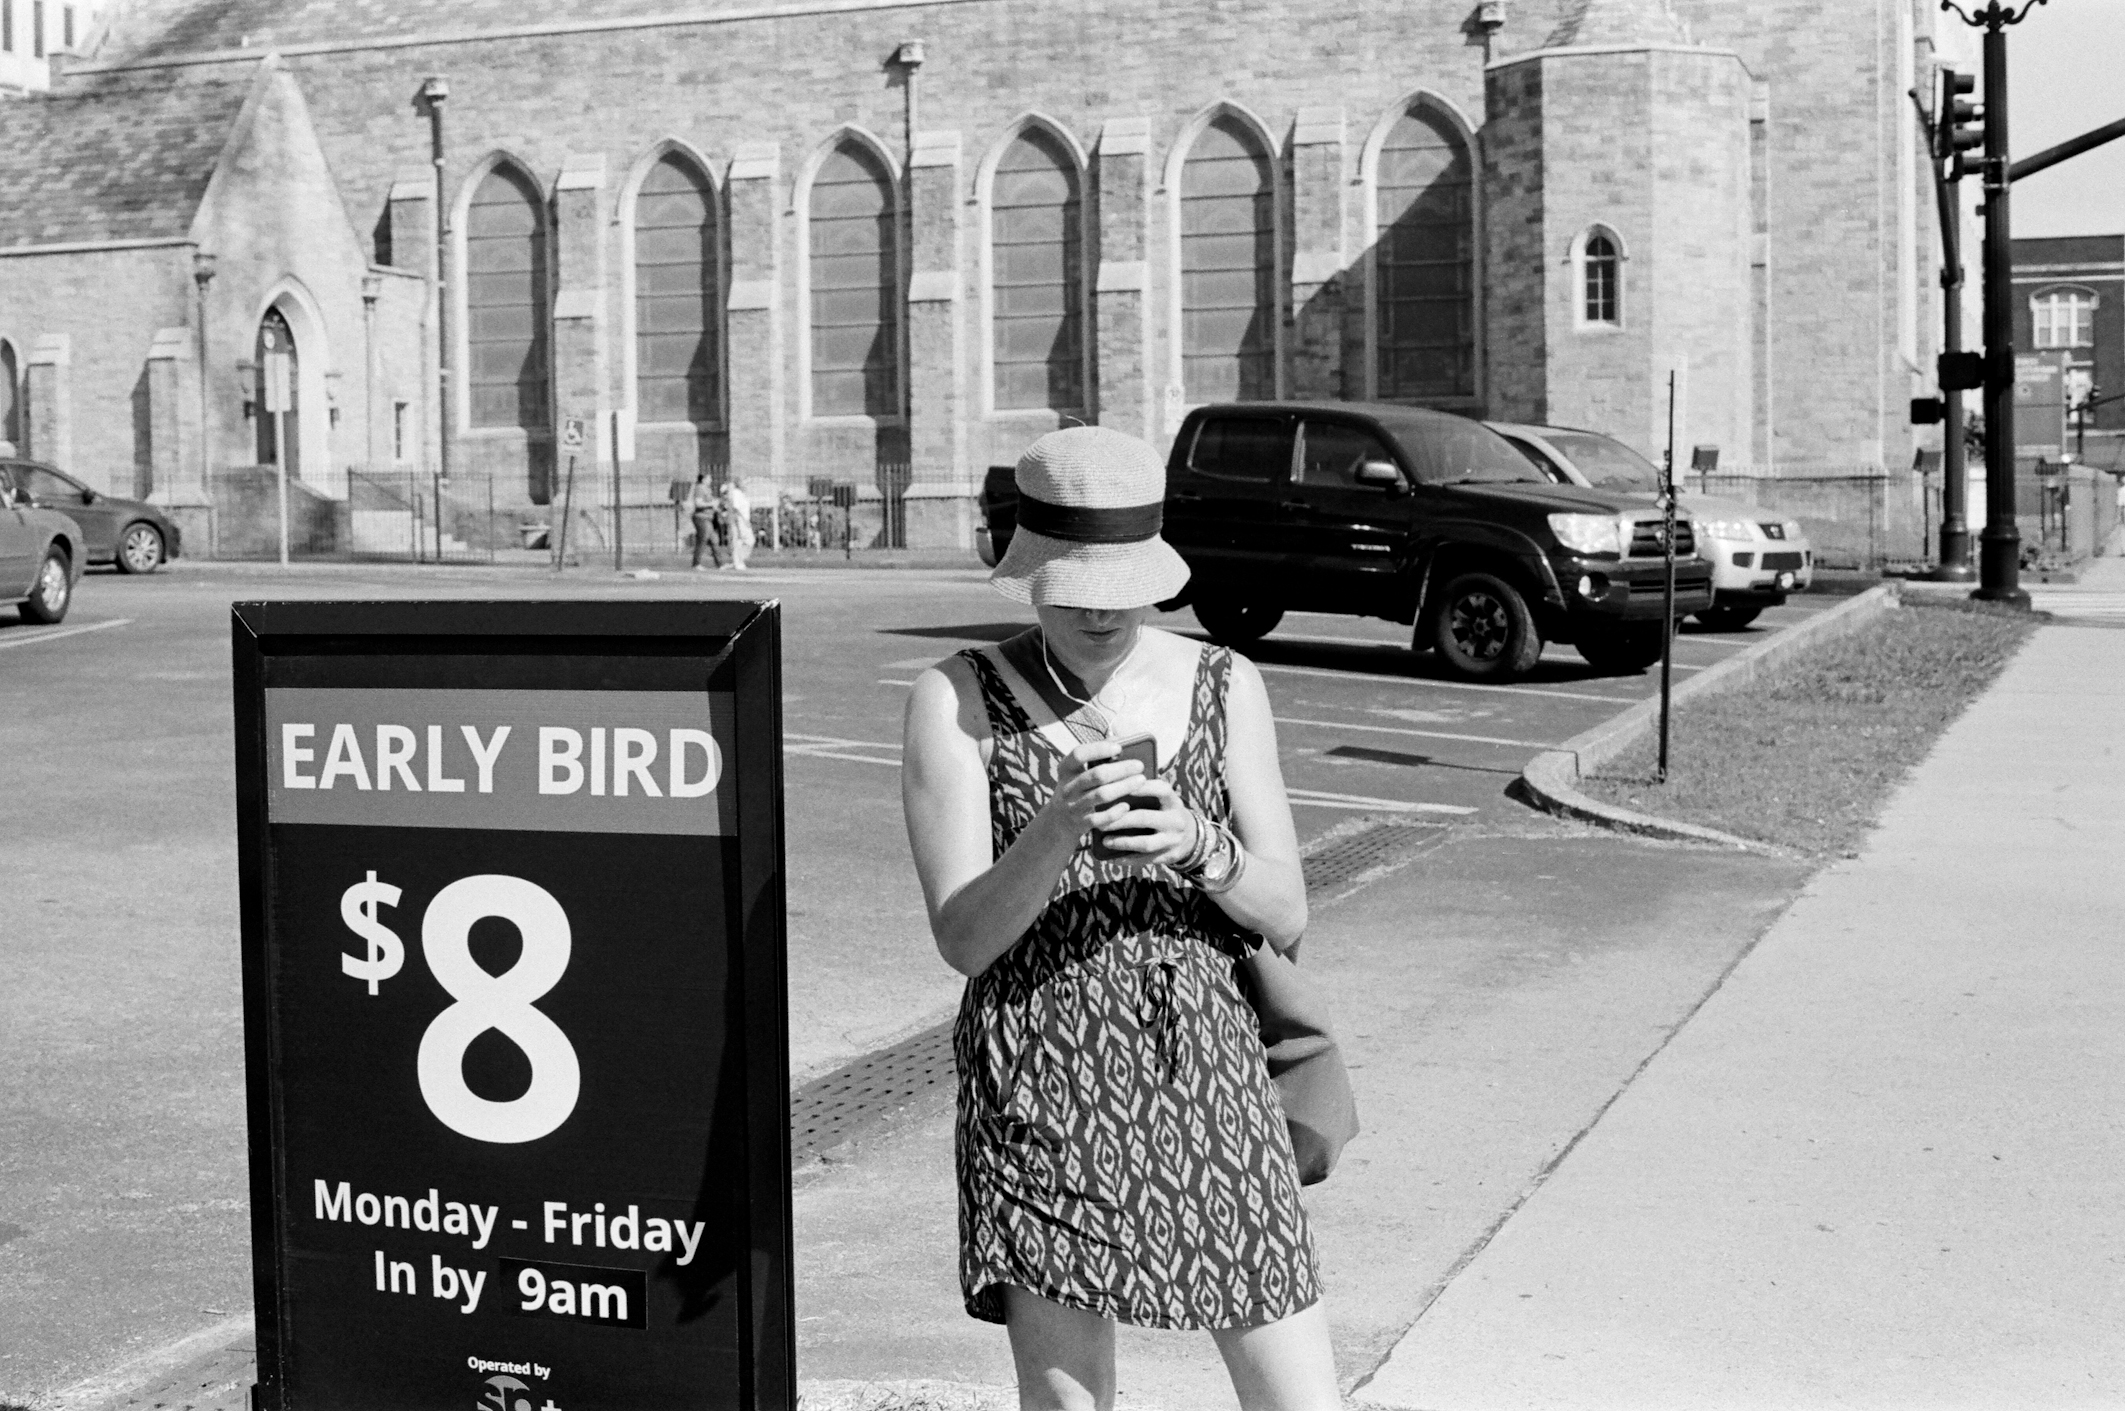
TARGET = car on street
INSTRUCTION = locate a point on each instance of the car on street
(1756, 558)
(132, 534)
(41, 555)
(1418, 517)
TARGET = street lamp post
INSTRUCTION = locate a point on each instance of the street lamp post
(2000, 543)
(203, 264)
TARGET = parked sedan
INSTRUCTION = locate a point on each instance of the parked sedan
(41, 553)
(1756, 558)
(133, 534)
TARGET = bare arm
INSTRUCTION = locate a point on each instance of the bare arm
(980, 905)
(1270, 896)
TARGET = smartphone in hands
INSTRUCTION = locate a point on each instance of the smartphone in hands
(1144, 750)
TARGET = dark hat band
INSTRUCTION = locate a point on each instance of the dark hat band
(1079, 524)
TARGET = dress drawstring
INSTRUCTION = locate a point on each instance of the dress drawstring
(1156, 1011)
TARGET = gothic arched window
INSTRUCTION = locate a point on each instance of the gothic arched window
(1036, 271)
(855, 286)
(678, 308)
(1228, 267)
(508, 305)
(1424, 306)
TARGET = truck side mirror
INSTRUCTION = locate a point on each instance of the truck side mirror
(1382, 475)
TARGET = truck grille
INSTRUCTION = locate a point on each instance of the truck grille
(1645, 539)
(1774, 562)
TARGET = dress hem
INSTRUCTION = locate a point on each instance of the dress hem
(1105, 1308)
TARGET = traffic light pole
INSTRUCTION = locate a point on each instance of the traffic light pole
(1954, 565)
(2000, 545)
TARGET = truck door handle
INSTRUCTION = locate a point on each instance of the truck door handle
(1293, 505)
(1188, 496)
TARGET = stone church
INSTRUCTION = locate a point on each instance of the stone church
(893, 242)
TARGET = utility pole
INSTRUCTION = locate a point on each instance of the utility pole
(436, 91)
(1953, 127)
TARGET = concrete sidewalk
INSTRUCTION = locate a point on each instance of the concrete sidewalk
(1885, 1164)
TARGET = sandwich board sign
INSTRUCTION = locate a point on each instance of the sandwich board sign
(514, 1009)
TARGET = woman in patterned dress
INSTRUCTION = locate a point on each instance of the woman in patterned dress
(1121, 1153)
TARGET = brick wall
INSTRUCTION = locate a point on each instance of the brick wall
(1125, 80)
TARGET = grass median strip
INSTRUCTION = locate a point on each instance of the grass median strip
(1804, 757)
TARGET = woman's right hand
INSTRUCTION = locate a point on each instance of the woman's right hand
(1093, 791)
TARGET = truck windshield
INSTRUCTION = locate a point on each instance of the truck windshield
(1606, 464)
(1455, 452)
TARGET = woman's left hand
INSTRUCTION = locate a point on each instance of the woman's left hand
(1165, 835)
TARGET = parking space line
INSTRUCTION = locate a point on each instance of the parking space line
(57, 633)
(1405, 730)
(1320, 798)
(1443, 685)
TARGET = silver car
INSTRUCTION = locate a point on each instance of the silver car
(1757, 558)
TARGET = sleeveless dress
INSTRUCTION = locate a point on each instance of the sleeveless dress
(1120, 1148)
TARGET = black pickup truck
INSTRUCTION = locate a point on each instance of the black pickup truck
(1416, 516)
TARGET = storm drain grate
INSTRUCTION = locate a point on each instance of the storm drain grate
(859, 1098)
(1346, 859)
(914, 1078)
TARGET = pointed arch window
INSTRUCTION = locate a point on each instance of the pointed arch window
(1228, 267)
(508, 302)
(1600, 280)
(1036, 218)
(279, 370)
(678, 305)
(855, 283)
(1424, 262)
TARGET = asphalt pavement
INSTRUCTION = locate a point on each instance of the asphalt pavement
(122, 1146)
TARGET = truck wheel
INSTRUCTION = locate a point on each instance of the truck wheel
(1237, 624)
(1622, 649)
(1483, 630)
(54, 591)
(1729, 617)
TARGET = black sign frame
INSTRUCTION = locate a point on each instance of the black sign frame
(726, 646)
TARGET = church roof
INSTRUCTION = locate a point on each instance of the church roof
(153, 29)
(118, 162)
(1600, 22)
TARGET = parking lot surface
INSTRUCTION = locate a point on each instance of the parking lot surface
(121, 1134)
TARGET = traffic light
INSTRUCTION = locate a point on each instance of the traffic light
(1926, 411)
(1962, 371)
(1959, 120)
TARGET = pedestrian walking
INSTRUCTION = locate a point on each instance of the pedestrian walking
(738, 519)
(702, 503)
(1122, 1156)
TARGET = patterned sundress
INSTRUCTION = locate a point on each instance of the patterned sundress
(1120, 1147)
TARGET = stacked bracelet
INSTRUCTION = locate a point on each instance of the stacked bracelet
(1216, 861)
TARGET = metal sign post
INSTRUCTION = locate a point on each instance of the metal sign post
(513, 930)
(1667, 609)
(571, 446)
(279, 389)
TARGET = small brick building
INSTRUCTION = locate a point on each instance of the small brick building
(783, 239)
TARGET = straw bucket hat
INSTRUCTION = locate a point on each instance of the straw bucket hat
(1091, 501)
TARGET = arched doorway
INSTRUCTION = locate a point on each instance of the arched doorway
(10, 398)
(277, 359)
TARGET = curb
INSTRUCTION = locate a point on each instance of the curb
(1550, 780)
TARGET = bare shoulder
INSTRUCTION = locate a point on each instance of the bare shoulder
(946, 700)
